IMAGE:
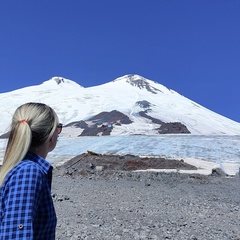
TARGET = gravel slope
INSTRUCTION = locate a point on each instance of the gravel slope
(128, 205)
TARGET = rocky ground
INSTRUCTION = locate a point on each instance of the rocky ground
(104, 199)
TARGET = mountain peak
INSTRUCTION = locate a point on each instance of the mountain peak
(62, 82)
(58, 80)
(140, 82)
(130, 77)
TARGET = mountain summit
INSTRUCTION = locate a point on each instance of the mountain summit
(62, 82)
(138, 81)
(130, 104)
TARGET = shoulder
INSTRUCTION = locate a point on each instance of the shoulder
(28, 168)
(26, 171)
(28, 165)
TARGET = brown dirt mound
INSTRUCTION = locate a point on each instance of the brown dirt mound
(93, 162)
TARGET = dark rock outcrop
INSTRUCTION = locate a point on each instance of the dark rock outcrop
(142, 83)
(101, 124)
(144, 104)
(166, 128)
(5, 135)
(110, 117)
(173, 127)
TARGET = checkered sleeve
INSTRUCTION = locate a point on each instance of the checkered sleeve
(21, 199)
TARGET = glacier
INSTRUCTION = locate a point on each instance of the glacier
(203, 151)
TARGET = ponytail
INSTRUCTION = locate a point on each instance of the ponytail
(17, 147)
(32, 125)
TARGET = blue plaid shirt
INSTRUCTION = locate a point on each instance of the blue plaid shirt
(26, 206)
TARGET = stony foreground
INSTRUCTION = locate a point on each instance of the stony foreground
(128, 205)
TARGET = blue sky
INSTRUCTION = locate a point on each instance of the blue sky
(190, 46)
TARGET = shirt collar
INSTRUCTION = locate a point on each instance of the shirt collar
(45, 165)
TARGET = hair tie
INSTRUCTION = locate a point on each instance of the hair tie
(23, 120)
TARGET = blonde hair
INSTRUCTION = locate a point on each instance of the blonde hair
(32, 125)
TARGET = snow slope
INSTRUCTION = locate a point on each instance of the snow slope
(129, 94)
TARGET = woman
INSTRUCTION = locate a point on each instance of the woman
(26, 206)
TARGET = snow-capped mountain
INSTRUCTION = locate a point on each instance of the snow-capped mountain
(127, 105)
